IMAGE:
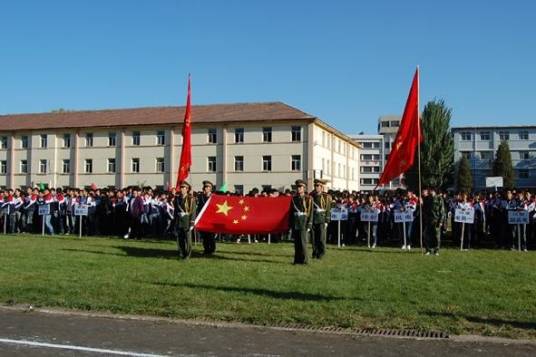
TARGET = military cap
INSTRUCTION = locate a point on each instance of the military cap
(185, 184)
(320, 181)
(207, 183)
(300, 183)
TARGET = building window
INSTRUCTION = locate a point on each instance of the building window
(523, 135)
(66, 140)
(111, 165)
(466, 136)
(3, 142)
(239, 163)
(66, 166)
(524, 155)
(467, 154)
(367, 145)
(23, 167)
(267, 163)
(523, 174)
(160, 164)
(135, 165)
(267, 135)
(385, 124)
(296, 163)
(136, 138)
(161, 137)
(239, 189)
(486, 155)
(88, 167)
(212, 136)
(24, 142)
(485, 136)
(266, 188)
(43, 166)
(89, 139)
(387, 144)
(211, 164)
(112, 137)
(296, 133)
(504, 135)
(239, 135)
(3, 167)
(44, 141)
(395, 123)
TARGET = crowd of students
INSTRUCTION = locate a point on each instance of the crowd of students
(144, 212)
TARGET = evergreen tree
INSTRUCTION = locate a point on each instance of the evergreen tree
(464, 178)
(502, 166)
(437, 149)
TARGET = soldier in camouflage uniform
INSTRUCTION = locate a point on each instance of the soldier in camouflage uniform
(185, 208)
(321, 217)
(433, 216)
(300, 221)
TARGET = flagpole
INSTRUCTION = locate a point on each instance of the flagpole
(419, 156)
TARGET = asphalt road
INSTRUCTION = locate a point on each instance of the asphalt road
(40, 333)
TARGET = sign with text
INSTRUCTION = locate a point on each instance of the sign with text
(43, 210)
(464, 215)
(80, 210)
(369, 216)
(403, 216)
(494, 181)
(339, 214)
(518, 217)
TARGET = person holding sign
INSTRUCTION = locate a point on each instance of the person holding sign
(511, 205)
(46, 199)
(300, 221)
(465, 214)
(321, 218)
(404, 211)
(370, 214)
(185, 208)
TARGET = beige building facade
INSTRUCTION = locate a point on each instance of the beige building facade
(243, 145)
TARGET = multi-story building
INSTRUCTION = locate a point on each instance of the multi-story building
(480, 144)
(388, 128)
(243, 145)
(371, 159)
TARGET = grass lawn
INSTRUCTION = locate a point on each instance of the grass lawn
(486, 292)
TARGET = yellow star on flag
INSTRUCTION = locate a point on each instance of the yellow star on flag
(235, 221)
(244, 217)
(241, 202)
(224, 208)
(246, 209)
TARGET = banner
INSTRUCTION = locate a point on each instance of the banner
(403, 216)
(369, 216)
(464, 215)
(518, 217)
(339, 214)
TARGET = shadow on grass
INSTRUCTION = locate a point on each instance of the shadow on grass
(234, 252)
(284, 295)
(166, 254)
(524, 325)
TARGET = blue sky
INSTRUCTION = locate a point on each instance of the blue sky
(347, 62)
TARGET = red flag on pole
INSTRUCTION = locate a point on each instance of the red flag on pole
(244, 215)
(407, 139)
(186, 152)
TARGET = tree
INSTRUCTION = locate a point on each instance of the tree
(464, 178)
(437, 148)
(502, 166)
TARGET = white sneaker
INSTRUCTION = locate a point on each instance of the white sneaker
(409, 247)
(525, 250)
(403, 247)
(373, 246)
(125, 236)
(238, 241)
(436, 253)
(427, 253)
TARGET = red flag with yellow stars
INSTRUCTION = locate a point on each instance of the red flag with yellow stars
(244, 215)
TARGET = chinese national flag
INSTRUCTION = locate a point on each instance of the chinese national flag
(408, 137)
(186, 152)
(244, 215)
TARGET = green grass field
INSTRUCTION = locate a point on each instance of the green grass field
(485, 292)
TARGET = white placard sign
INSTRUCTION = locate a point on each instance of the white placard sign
(80, 210)
(369, 216)
(518, 217)
(494, 181)
(466, 215)
(339, 214)
(43, 210)
(403, 216)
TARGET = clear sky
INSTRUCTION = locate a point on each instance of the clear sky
(347, 62)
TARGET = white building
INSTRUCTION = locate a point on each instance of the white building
(242, 145)
(371, 159)
(480, 144)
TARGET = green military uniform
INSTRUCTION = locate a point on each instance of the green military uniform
(433, 215)
(321, 212)
(300, 222)
(185, 209)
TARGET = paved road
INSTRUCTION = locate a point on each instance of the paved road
(58, 334)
